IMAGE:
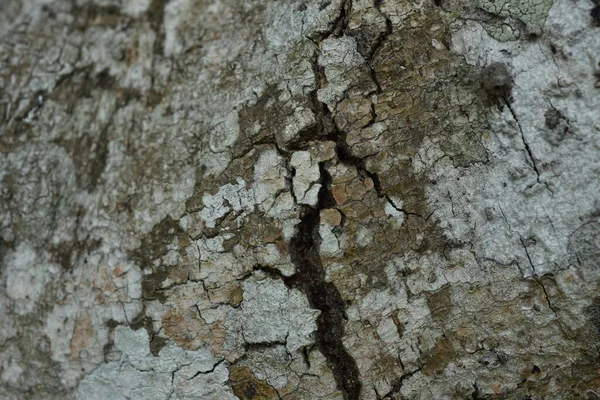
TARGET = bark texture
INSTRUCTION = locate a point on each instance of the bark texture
(343, 199)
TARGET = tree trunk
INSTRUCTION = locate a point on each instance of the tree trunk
(299, 199)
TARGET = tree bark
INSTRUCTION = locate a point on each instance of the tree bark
(346, 199)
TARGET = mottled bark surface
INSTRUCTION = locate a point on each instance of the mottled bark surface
(345, 199)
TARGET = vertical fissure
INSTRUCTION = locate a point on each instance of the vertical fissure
(305, 244)
(322, 295)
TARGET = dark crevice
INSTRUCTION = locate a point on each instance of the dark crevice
(306, 356)
(289, 180)
(345, 156)
(476, 394)
(310, 276)
(377, 45)
(539, 282)
(373, 116)
(340, 24)
(397, 384)
(201, 372)
(275, 274)
(324, 296)
(595, 13)
(304, 245)
(528, 256)
(547, 296)
(527, 147)
(156, 16)
(142, 321)
(261, 346)
(328, 127)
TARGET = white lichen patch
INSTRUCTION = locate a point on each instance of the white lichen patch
(270, 176)
(301, 119)
(25, 277)
(217, 266)
(109, 288)
(364, 236)
(175, 13)
(532, 12)
(230, 197)
(305, 180)
(272, 313)
(224, 134)
(332, 241)
(340, 58)
(138, 374)
(11, 369)
(393, 208)
(266, 192)
(531, 196)
(135, 7)
(397, 323)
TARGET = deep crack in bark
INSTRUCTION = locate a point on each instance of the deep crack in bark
(310, 276)
(324, 296)
(304, 248)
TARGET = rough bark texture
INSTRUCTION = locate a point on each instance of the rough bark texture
(344, 199)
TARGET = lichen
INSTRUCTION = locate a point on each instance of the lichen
(298, 200)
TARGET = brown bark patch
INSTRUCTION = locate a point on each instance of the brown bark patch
(247, 386)
(439, 357)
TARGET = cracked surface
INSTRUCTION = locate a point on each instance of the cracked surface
(348, 199)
